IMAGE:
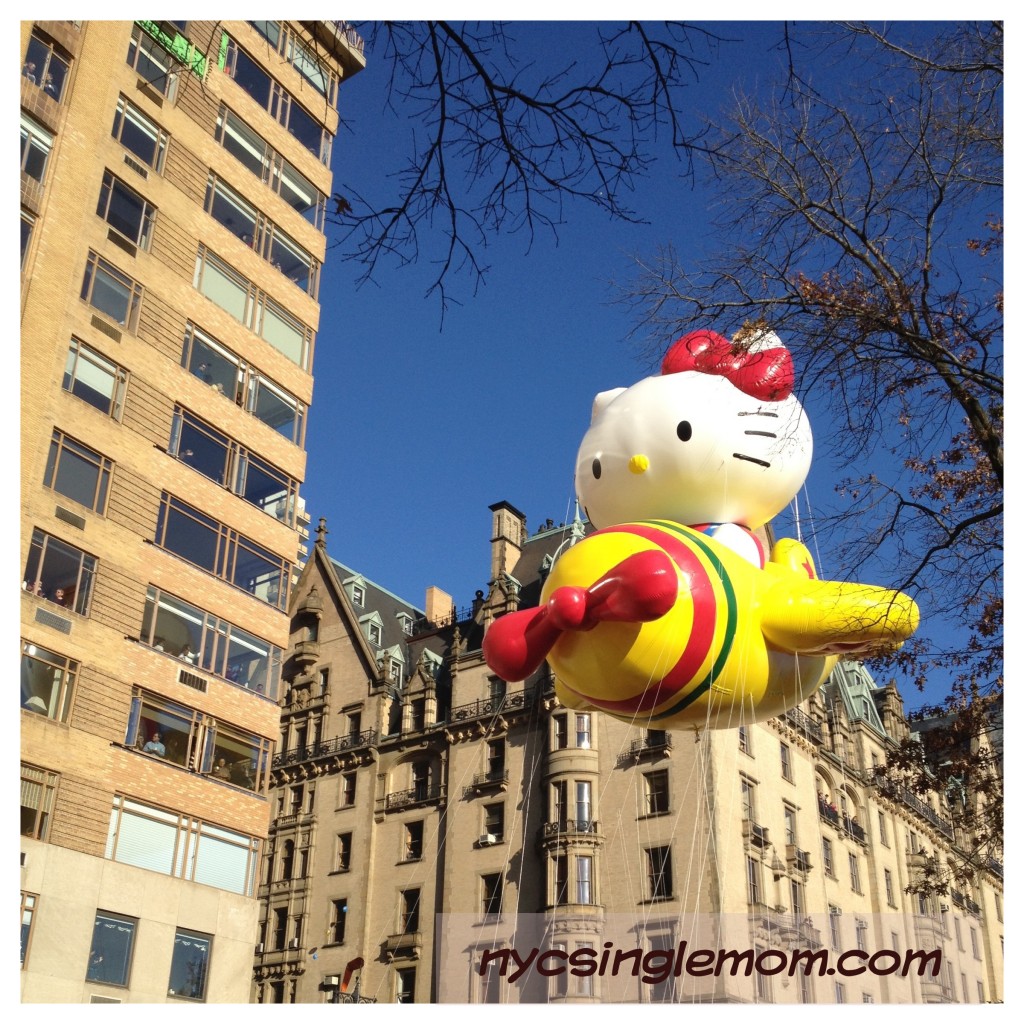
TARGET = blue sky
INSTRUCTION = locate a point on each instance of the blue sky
(418, 425)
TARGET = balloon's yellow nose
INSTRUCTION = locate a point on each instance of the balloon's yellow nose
(639, 464)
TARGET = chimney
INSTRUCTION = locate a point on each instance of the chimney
(508, 535)
(439, 606)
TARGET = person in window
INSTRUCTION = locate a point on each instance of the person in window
(58, 596)
(155, 746)
(221, 770)
(38, 589)
(29, 72)
(49, 87)
(187, 655)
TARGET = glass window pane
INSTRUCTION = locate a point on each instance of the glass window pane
(252, 78)
(47, 682)
(284, 334)
(190, 534)
(110, 957)
(190, 964)
(94, 379)
(252, 662)
(77, 472)
(216, 282)
(222, 860)
(276, 409)
(243, 143)
(210, 363)
(259, 572)
(229, 209)
(266, 488)
(201, 446)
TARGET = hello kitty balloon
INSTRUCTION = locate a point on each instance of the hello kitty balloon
(672, 613)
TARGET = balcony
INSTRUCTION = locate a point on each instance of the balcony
(756, 835)
(327, 748)
(520, 701)
(307, 653)
(799, 859)
(804, 723)
(403, 945)
(654, 745)
(897, 792)
(485, 782)
(415, 797)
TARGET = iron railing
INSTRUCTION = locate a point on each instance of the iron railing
(326, 748)
(492, 706)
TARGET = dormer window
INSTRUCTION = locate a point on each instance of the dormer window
(358, 595)
(373, 632)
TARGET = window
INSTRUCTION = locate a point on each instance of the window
(219, 458)
(36, 143)
(659, 872)
(222, 551)
(139, 135)
(559, 802)
(496, 759)
(300, 56)
(584, 879)
(114, 294)
(492, 893)
(867, 997)
(177, 628)
(656, 792)
(975, 948)
(336, 928)
(37, 791)
(840, 992)
(181, 846)
(413, 840)
(77, 472)
(373, 632)
(190, 964)
(126, 211)
(583, 806)
(796, 899)
(46, 66)
(420, 780)
(748, 804)
(405, 985)
(883, 832)
(153, 63)
(47, 681)
(358, 595)
(272, 97)
(494, 821)
(260, 234)
(560, 879)
(854, 873)
(280, 934)
(237, 296)
(862, 934)
(561, 732)
(348, 789)
(826, 857)
(196, 741)
(95, 379)
(28, 908)
(753, 882)
(744, 739)
(55, 567)
(833, 927)
(409, 919)
(110, 957)
(787, 767)
(583, 731)
(888, 888)
(762, 982)
(789, 816)
(959, 933)
(28, 223)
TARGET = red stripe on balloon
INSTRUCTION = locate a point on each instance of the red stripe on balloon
(702, 629)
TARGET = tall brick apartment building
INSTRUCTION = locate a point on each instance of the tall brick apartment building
(425, 813)
(174, 178)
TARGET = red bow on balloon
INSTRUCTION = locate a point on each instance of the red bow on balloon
(767, 374)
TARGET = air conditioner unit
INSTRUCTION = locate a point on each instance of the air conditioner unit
(836, 911)
(487, 839)
(293, 943)
(944, 907)
(259, 948)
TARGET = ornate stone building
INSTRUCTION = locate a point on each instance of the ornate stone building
(426, 814)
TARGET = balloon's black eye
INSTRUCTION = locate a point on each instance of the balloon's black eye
(684, 431)
(596, 467)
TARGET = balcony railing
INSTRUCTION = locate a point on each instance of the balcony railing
(314, 751)
(649, 746)
(915, 803)
(487, 780)
(802, 721)
(411, 797)
(842, 822)
(569, 826)
(494, 706)
(354, 40)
